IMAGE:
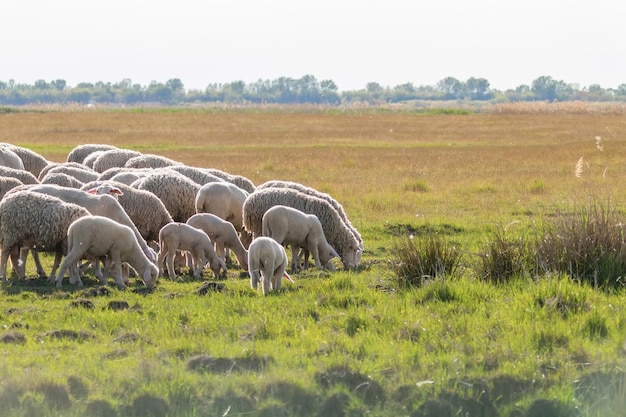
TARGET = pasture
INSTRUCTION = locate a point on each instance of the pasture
(344, 343)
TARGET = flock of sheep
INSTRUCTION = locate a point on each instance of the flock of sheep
(117, 208)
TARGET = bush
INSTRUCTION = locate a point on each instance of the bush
(421, 258)
(505, 258)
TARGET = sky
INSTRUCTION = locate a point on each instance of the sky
(391, 42)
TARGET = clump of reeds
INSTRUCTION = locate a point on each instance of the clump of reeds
(587, 244)
(505, 258)
(419, 259)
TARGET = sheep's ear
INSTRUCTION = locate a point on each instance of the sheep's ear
(116, 190)
(286, 275)
(93, 191)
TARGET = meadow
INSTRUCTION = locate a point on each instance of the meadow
(343, 343)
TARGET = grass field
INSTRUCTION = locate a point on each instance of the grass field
(338, 343)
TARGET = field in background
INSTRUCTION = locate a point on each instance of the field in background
(465, 174)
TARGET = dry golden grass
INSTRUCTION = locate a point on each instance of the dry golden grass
(470, 169)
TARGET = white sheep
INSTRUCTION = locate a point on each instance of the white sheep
(37, 221)
(223, 234)
(198, 175)
(223, 199)
(80, 172)
(59, 178)
(145, 209)
(7, 184)
(80, 152)
(101, 205)
(150, 161)
(22, 175)
(113, 158)
(10, 159)
(290, 226)
(99, 236)
(337, 233)
(177, 192)
(182, 237)
(267, 262)
(33, 162)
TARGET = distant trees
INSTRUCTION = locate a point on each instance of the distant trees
(286, 90)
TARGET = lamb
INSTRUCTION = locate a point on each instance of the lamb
(145, 209)
(239, 180)
(100, 236)
(102, 205)
(339, 236)
(33, 162)
(37, 221)
(181, 236)
(22, 175)
(80, 152)
(177, 192)
(267, 262)
(223, 199)
(59, 178)
(223, 234)
(289, 226)
(150, 161)
(9, 159)
(113, 158)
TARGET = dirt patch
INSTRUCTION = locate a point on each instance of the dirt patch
(69, 334)
(118, 305)
(370, 391)
(210, 287)
(12, 337)
(56, 396)
(147, 405)
(100, 291)
(82, 303)
(100, 408)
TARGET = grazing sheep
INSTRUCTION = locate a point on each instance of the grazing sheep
(177, 192)
(267, 262)
(59, 178)
(181, 236)
(33, 162)
(7, 184)
(200, 176)
(22, 175)
(112, 172)
(81, 173)
(129, 177)
(240, 181)
(289, 226)
(37, 221)
(10, 159)
(223, 234)
(337, 233)
(101, 205)
(55, 165)
(80, 152)
(113, 158)
(99, 236)
(150, 161)
(145, 209)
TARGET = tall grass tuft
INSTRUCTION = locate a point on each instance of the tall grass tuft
(587, 244)
(505, 258)
(422, 258)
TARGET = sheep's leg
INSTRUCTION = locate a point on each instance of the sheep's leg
(58, 254)
(267, 273)
(4, 258)
(71, 258)
(18, 260)
(116, 260)
(315, 253)
(169, 260)
(161, 256)
(295, 258)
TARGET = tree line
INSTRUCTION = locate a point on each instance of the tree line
(285, 90)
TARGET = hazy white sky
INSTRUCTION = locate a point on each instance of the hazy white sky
(508, 42)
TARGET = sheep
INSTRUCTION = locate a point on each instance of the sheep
(145, 209)
(223, 234)
(240, 181)
(200, 176)
(9, 159)
(33, 162)
(181, 236)
(177, 192)
(7, 184)
(150, 161)
(81, 173)
(223, 199)
(339, 236)
(102, 205)
(22, 175)
(59, 178)
(113, 158)
(61, 167)
(129, 177)
(290, 226)
(100, 236)
(267, 262)
(37, 221)
(80, 152)
(312, 191)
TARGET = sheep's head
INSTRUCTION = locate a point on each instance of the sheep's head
(150, 275)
